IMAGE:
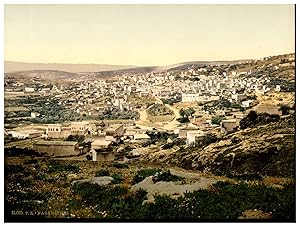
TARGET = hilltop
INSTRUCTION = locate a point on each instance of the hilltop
(12, 66)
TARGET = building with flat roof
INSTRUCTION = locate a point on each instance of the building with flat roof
(57, 148)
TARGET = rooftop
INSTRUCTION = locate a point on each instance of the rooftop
(56, 143)
(141, 136)
(101, 143)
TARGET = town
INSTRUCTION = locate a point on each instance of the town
(118, 117)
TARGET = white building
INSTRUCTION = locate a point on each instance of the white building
(29, 89)
(193, 136)
(190, 97)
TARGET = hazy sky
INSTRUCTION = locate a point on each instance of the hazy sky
(146, 34)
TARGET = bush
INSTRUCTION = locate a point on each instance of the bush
(226, 201)
(58, 167)
(120, 165)
(186, 113)
(216, 120)
(254, 119)
(159, 110)
(207, 139)
(15, 151)
(142, 174)
(183, 120)
(117, 178)
(102, 172)
(166, 176)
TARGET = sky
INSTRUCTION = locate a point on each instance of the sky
(146, 35)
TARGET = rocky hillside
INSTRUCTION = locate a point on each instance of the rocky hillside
(264, 150)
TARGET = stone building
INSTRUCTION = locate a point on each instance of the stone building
(57, 148)
(102, 150)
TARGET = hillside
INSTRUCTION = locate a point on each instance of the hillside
(43, 74)
(266, 150)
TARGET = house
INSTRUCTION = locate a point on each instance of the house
(101, 150)
(228, 126)
(29, 89)
(79, 128)
(182, 131)
(57, 148)
(101, 144)
(239, 97)
(192, 137)
(115, 130)
(34, 114)
(141, 137)
(57, 131)
(190, 97)
(25, 134)
(246, 103)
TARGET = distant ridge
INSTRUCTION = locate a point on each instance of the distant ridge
(12, 66)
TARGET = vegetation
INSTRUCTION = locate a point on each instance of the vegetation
(120, 165)
(159, 110)
(207, 139)
(183, 120)
(253, 119)
(16, 151)
(285, 85)
(285, 109)
(102, 172)
(165, 176)
(55, 166)
(171, 101)
(216, 120)
(142, 174)
(160, 136)
(186, 113)
(224, 201)
(113, 113)
(117, 178)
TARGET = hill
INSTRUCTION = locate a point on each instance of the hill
(43, 74)
(265, 150)
(11, 66)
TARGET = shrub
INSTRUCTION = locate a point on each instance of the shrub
(117, 178)
(207, 139)
(216, 120)
(142, 174)
(183, 120)
(58, 167)
(166, 176)
(102, 172)
(254, 119)
(120, 165)
(285, 109)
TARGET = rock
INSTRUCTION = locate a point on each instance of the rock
(255, 214)
(105, 180)
(102, 180)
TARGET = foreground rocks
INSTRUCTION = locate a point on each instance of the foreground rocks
(173, 189)
(97, 180)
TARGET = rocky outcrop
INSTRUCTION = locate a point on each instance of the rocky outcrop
(267, 150)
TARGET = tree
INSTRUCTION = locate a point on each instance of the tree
(186, 113)
(216, 120)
